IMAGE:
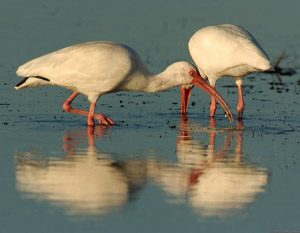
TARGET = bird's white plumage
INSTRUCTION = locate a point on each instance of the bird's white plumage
(227, 50)
(92, 68)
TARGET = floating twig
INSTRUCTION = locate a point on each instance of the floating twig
(282, 71)
(279, 60)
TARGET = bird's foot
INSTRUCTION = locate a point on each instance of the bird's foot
(104, 120)
(240, 124)
(67, 107)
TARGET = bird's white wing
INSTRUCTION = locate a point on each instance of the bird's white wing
(88, 67)
(247, 46)
(218, 50)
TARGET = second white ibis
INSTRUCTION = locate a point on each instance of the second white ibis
(225, 50)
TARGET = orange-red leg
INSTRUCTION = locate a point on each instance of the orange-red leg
(90, 114)
(213, 106)
(241, 104)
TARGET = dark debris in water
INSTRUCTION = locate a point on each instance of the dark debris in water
(283, 71)
(235, 86)
(279, 87)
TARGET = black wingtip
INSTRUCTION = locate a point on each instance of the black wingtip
(23, 81)
(43, 78)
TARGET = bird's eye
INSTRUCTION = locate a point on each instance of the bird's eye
(192, 73)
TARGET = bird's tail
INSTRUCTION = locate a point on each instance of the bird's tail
(34, 81)
(270, 69)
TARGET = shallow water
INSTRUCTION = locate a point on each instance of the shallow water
(154, 171)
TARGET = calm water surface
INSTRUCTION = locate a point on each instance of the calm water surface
(154, 171)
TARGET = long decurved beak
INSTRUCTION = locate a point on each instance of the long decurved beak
(185, 98)
(199, 82)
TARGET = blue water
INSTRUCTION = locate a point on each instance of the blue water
(154, 171)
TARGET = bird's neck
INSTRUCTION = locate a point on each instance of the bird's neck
(161, 82)
(148, 82)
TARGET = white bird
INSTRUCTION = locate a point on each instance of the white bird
(97, 68)
(225, 50)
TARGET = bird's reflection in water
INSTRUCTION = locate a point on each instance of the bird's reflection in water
(213, 182)
(84, 182)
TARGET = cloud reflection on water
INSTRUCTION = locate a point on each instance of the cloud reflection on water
(213, 182)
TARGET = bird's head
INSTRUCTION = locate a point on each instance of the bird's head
(189, 77)
(183, 72)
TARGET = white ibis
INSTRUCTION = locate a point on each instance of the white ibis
(225, 50)
(97, 68)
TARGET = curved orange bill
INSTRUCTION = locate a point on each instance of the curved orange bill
(199, 82)
(185, 98)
